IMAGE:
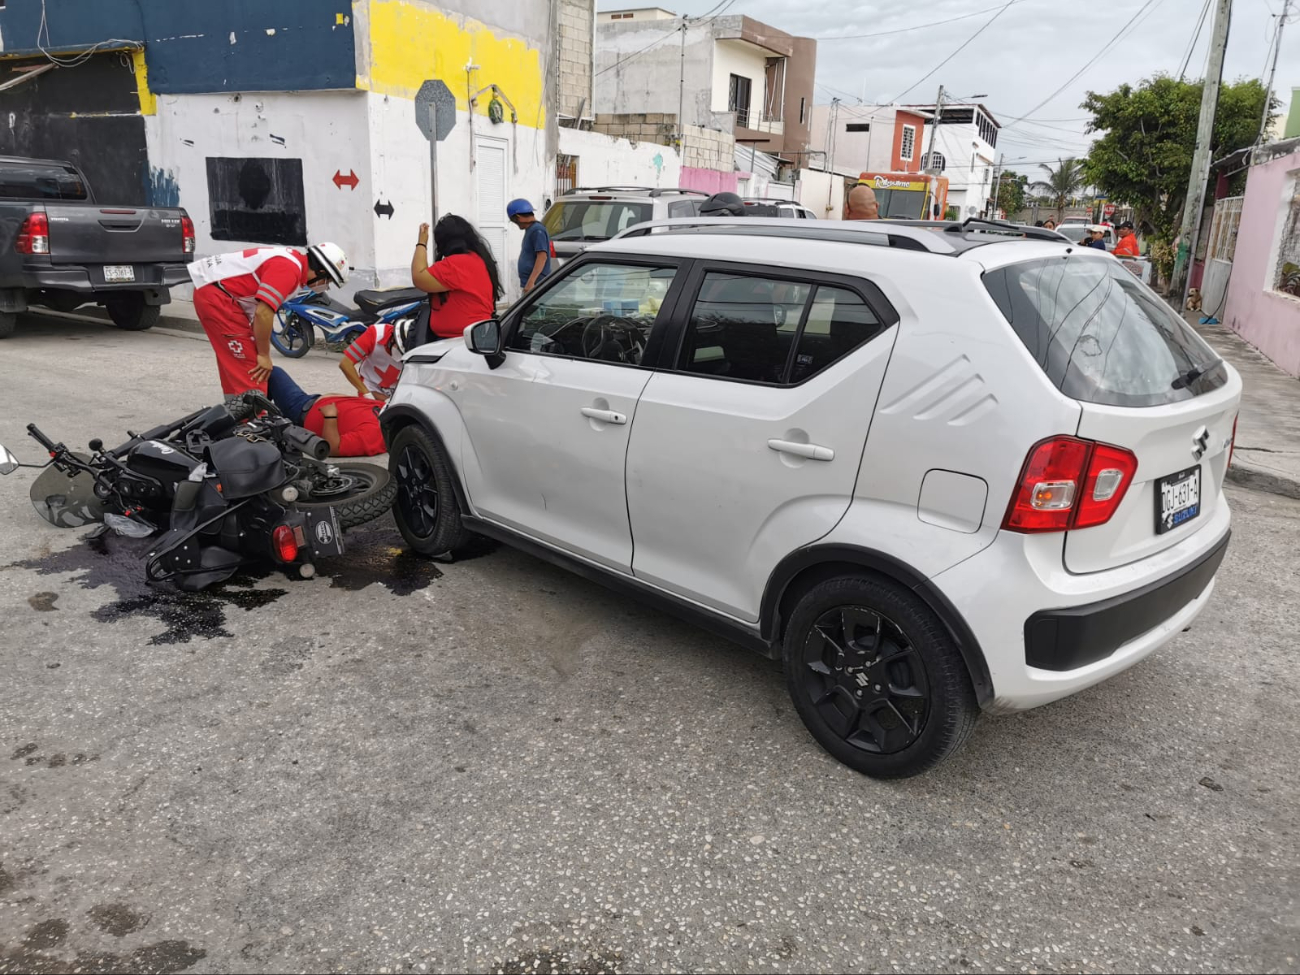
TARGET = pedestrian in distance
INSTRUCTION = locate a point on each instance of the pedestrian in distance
(1049, 223)
(1128, 242)
(1038, 223)
(463, 281)
(237, 295)
(862, 203)
(535, 254)
(1096, 237)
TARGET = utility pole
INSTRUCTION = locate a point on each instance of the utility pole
(681, 97)
(1191, 227)
(928, 158)
(992, 210)
(1272, 72)
(832, 130)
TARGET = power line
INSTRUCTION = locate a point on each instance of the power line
(907, 30)
(724, 4)
(1196, 36)
(1091, 61)
(989, 23)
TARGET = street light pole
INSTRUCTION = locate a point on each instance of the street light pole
(1201, 160)
(681, 97)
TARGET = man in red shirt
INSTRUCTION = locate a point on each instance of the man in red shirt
(237, 295)
(350, 424)
(1128, 242)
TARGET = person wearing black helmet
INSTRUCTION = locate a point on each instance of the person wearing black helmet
(722, 205)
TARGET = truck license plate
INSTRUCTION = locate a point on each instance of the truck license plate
(1178, 499)
(117, 273)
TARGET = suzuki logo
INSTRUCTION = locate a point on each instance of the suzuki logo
(1200, 443)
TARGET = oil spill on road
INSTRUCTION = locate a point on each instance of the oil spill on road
(118, 562)
(379, 556)
(37, 954)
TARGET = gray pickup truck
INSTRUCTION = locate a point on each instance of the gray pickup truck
(61, 249)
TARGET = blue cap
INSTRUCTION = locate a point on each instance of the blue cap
(515, 207)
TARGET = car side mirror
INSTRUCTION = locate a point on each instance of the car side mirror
(8, 462)
(485, 339)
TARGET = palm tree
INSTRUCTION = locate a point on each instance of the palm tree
(1062, 183)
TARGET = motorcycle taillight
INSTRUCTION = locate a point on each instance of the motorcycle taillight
(284, 542)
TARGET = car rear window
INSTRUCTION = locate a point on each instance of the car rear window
(593, 219)
(1100, 335)
(37, 181)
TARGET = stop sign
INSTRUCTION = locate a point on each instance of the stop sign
(1110, 209)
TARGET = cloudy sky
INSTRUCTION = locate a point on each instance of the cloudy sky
(1032, 48)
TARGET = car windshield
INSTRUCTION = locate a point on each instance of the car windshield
(593, 219)
(1102, 336)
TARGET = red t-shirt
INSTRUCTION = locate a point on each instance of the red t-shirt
(359, 433)
(1127, 246)
(470, 299)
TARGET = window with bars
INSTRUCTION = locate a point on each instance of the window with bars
(1288, 253)
(566, 174)
(738, 98)
(908, 147)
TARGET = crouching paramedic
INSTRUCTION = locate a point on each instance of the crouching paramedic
(237, 295)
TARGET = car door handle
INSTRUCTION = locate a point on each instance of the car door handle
(811, 451)
(604, 416)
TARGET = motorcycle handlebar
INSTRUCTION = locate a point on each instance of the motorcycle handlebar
(306, 442)
(35, 433)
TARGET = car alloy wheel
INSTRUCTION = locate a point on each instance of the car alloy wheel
(417, 491)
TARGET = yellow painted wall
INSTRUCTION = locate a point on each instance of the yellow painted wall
(410, 42)
(148, 101)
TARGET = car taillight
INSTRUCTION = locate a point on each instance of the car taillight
(285, 543)
(1069, 483)
(1232, 447)
(34, 235)
(187, 235)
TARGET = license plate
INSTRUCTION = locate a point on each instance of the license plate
(1178, 499)
(324, 534)
(116, 273)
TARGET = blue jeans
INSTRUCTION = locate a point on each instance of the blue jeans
(289, 396)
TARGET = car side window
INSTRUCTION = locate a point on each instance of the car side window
(743, 327)
(599, 311)
(684, 208)
(769, 330)
(838, 322)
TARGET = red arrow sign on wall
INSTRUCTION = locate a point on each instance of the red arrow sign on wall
(350, 180)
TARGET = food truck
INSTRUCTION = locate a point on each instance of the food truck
(915, 196)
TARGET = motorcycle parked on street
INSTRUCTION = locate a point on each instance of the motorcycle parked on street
(224, 487)
(294, 331)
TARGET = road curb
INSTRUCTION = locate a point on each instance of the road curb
(1261, 480)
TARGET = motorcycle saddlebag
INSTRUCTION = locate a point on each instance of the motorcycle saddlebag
(245, 468)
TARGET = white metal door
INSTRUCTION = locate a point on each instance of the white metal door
(492, 195)
(724, 477)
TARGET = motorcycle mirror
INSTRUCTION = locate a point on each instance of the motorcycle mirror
(8, 462)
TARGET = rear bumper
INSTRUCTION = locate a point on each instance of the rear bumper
(1067, 639)
(87, 279)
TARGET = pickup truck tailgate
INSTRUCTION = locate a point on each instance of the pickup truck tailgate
(83, 233)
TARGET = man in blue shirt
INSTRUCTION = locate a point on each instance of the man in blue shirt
(535, 254)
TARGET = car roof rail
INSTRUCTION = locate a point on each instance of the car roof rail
(877, 233)
(971, 225)
(649, 190)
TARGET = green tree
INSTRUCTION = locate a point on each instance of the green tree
(1063, 183)
(1144, 156)
(1011, 192)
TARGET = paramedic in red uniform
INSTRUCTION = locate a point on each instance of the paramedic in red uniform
(237, 295)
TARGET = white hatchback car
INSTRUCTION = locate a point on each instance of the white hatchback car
(934, 471)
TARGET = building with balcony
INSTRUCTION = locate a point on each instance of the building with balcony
(727, 74)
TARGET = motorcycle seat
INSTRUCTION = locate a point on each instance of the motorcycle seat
(371, 303)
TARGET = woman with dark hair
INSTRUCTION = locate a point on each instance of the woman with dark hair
(462, 281)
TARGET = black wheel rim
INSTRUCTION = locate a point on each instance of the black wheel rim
(346, 484)
(417, 491)
(866, 680)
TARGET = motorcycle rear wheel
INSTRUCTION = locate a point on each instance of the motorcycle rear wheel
(295, 338)
(362, 493)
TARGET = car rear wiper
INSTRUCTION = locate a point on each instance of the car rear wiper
(1196, 372)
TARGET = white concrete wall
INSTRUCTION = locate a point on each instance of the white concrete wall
(736, 57)
(607, 161)
(326, 130)
(862, 152)
(648, 83)
(822, 193)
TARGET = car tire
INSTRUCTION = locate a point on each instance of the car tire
(426, 510)
(8, 320)
(130, 313)
(876, 677)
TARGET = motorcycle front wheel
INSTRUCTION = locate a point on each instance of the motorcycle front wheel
(294, 337)
(359, 493)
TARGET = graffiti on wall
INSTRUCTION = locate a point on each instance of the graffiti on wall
(257, 200)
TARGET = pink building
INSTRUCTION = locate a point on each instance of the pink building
(1263, 300)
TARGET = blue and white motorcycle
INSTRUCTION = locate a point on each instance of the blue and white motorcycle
(294, 332)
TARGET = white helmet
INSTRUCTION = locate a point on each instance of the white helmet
(405, 333)
(332, 260)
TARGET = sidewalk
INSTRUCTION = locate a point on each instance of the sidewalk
(1267, 456)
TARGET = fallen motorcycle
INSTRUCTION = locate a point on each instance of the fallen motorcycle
(224, 487)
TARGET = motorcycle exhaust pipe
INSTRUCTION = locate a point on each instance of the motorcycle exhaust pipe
(307, 442)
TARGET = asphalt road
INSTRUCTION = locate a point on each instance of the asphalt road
(492, 765)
